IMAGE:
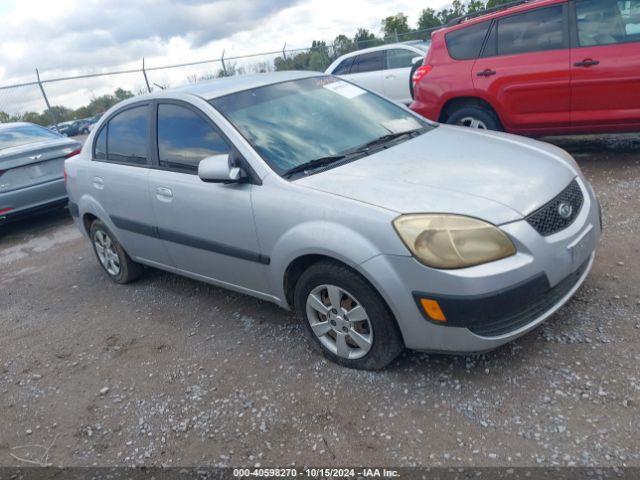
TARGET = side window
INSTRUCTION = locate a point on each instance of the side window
(185, 138)
(100, 150)
(368, 62)
(534, 31)
(127, 136)
(343, 67)
(465, 44)
(605, 22)
(400, 58)
(491, 46)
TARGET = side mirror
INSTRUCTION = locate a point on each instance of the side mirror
(415, 60)
(219, 169)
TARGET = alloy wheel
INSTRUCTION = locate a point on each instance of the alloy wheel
(339, 321)
(472, 122)
(107, 253)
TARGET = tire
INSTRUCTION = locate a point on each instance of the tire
(358, 299)
(113, 255)
(467, 116)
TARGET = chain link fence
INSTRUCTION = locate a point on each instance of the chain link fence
(49, 101)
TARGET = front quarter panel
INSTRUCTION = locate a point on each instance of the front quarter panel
(294, 221)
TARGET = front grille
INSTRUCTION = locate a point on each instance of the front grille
(548, 220)
(528, 312)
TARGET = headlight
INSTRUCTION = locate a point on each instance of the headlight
(452, 241)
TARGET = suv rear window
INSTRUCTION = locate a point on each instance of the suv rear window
(465, 44)
(534, 31)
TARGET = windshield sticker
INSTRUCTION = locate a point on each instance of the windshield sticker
(400, 125)
(345, 89)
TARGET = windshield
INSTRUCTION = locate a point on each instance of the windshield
(23, 135)
(292, 123)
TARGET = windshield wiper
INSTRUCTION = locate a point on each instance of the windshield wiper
(313, 164)
(388, 138)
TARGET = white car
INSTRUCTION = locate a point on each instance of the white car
(385, 69)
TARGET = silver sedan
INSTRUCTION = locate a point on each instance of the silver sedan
(382, 230)
(32, 169)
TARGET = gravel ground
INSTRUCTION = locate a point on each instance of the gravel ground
(169, 371)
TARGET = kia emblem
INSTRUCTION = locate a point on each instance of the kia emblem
(565, 210)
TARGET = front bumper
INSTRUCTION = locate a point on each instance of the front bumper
(491, 304)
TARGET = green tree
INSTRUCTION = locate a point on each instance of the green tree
(428, 19)
(495, 3)
(475, 6)
(364, 38)
(395, 25)
(341, 45)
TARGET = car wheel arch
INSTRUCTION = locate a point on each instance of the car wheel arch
(456, 103)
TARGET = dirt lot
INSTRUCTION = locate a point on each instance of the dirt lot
(168, 371)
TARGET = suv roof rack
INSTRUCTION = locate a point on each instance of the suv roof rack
(486, 11)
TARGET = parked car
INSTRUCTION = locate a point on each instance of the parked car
(541, 68)
(92, 121)
(31, 169)
(81, 126)
(65, 128)
(385, 69)
(380, 228)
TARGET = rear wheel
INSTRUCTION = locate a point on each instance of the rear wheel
(346, 318)
(475, 117)
(111, 256)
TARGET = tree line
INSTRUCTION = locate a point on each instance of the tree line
(318, 57)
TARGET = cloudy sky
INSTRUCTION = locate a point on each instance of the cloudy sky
(69, 37)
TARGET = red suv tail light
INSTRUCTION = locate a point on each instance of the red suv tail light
(421, 72)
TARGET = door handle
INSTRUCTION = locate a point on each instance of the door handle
(587, 62)
(163, 193)
(390, 76)
(486, 73)
(98, 182)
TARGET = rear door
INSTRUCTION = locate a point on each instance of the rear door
(119, 181)
(366, 71)
(524, 69)
(605, 63)
(208, 228)
(396, 75)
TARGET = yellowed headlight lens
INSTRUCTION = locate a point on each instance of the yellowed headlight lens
(452, 241)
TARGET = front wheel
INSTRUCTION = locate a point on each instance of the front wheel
(475, 117)
(111, 256)
(346, 318)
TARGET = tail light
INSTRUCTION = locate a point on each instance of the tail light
(421, 72)
(5, 210)
(73, 153)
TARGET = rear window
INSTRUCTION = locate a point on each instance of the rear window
(465, 44)
(24, 135)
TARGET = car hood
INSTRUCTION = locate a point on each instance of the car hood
(494, 176)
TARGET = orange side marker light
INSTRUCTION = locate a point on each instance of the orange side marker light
(432, 308)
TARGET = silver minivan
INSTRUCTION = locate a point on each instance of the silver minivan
(381, 229)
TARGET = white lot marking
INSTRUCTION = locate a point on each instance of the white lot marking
(38, 244)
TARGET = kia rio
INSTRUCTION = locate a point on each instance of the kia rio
(381, 229)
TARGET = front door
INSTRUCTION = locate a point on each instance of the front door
(605, 63)
(208, 228)
(524, 68)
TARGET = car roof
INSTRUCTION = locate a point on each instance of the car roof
(388, 46)
(227, 85)
(517, 8)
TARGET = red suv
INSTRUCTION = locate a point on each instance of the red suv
(538, 68)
